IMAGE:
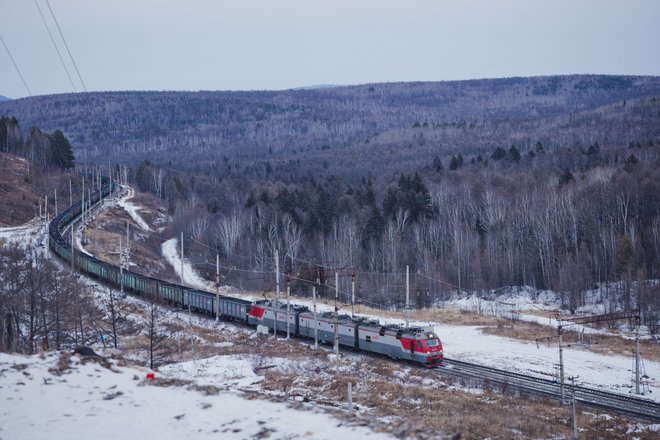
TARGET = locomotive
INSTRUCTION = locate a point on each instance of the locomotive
(419, 345)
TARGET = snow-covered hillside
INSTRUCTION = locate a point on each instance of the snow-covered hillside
(61, 396)
(67, 394)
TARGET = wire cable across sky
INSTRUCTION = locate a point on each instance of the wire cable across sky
(59, 55)
(15, 66)
(73, 61)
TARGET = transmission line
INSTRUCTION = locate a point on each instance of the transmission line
(55, 45)
(15, 65)
(66, 45)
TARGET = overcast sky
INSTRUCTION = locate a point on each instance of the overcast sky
(279, 44)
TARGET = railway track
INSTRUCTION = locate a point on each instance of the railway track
(632, 406)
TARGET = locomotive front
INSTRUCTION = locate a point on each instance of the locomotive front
(432, 346)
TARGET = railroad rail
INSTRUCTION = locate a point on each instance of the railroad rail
(633, 406)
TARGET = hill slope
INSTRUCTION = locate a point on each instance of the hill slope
(245, 125)
(18, 197)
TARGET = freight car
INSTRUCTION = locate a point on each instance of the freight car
(419, 345)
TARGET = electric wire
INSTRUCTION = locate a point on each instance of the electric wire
(55, 45)
(66, 45)
(292, 276)
(15, 66)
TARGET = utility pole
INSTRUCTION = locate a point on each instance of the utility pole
(128, 237)
(72, 248)
(70, 194)
(56, 202)
(316, 326)
(637, 355)
(217, 287)
(581, 320)
(353, 295)
(277, 290)
(288, 308)
(336, 345)
(82, 202)
(561, 365)
(121, 270)
(575, 429)
(407, 295)
(182, 282)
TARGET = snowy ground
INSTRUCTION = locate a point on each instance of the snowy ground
(468, 343)
(42, 397)
(191, 278)
(131, 209)
(32, 235)
(39, 398)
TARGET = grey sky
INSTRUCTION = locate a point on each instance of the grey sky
(248, 44)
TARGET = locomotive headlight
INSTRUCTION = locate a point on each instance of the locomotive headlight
(430, 335)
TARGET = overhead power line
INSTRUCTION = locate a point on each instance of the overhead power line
(55, 45)
(66, 45)
(16, 66)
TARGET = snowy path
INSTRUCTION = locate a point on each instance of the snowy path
(190, 276)
(132, 210)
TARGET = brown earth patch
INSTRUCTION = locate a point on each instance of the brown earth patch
(18, 195)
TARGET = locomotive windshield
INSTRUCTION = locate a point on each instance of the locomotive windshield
(433, 342)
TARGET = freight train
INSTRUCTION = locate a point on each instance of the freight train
(419, 345)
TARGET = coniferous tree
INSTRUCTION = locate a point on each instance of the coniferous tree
(514, 154)
(61, 152)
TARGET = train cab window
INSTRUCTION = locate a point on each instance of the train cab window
(432, 342)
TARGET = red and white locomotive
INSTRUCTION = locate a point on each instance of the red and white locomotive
(417, 344)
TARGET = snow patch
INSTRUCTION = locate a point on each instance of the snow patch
(88, 399)
(190, 277)
(132, 210)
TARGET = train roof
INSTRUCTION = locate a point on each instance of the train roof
(209, 294)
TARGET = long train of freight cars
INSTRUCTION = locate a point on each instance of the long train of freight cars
(420, 345)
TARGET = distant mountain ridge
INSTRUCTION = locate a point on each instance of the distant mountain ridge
(163, 126)
(4, 98)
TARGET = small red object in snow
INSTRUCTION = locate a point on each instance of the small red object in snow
(151, 376)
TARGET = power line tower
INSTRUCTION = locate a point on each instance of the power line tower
(592, 319)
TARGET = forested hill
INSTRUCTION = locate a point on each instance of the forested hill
(552, 182)
(359, 119)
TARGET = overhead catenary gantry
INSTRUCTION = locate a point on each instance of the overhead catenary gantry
(563, 321)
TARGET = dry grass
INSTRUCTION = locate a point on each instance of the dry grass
(104, 233)
(406, 401)
(19, 197)
(601, 344)
(416, 408)
(397, 398)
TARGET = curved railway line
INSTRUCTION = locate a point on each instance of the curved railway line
(629, 405)
(632, 406)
